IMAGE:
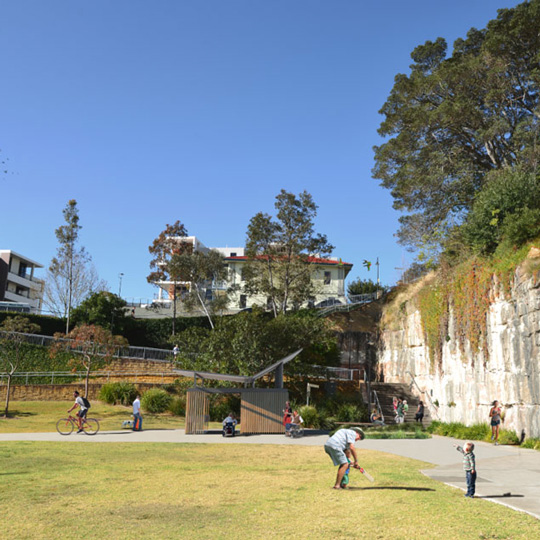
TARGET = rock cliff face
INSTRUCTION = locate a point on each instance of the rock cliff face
(465, 384)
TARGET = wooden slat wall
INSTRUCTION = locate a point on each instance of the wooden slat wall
(197, 411)
(262, 410)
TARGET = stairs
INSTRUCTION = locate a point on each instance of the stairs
(387, 391)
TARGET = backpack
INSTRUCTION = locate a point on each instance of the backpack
(86, 403)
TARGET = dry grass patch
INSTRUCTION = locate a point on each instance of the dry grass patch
(126, 491)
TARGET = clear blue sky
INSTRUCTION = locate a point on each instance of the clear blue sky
(146, 112)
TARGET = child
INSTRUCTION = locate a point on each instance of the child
(345, 480)
(469, 466)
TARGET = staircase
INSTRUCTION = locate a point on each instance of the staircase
(387, 391)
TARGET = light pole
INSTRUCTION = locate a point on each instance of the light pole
(120, 276)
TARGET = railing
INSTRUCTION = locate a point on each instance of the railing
(15, 307)
(354, 301)
(143, 353)
(425, 393)
(59, 375)
(333, 373)
(377, 403)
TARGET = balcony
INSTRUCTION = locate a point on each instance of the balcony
(25, 281)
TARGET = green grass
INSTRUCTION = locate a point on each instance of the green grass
(41, 416)
(160, 491)
(476, 432)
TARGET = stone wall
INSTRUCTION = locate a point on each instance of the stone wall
(464, 385)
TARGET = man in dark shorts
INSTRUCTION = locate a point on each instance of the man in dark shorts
(81, 413)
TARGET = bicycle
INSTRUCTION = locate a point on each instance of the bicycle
(65, 426)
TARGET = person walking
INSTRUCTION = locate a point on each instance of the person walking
(495, 417)
(335, 447)
(137, 417)
(400, 417)
(419, 416)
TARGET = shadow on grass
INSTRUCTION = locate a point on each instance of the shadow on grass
(404, 488)
(13, 415)
(503, 496)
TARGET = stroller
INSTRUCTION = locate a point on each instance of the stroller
(228, 430)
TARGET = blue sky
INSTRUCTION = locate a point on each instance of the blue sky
(148, 112)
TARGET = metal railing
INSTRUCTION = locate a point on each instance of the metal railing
(141, 353)
(59, 375)
(377, 403)
(425, 393)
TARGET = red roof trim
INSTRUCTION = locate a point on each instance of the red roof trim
(310, 259)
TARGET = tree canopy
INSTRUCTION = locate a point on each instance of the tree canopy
(455, 118)
(282, 251)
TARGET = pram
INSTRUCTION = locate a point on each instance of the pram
(228, 430)
(296, 431)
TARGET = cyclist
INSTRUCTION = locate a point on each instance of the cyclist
(81, 413)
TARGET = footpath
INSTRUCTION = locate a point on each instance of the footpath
(506, 475)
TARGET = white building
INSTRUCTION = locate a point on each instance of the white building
(20, 290)
(328, 278)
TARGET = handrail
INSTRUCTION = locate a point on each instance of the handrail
(82, 374)
(376, 400)
(426, 394)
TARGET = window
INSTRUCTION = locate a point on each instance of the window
(22, 269)
(327, 278)
(243, 301)
(233, 254)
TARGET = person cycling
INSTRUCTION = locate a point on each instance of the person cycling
(81, 413)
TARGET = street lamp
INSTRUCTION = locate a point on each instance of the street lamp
(120, 276)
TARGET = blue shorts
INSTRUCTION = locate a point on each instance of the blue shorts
(338, 456)
(495, 422)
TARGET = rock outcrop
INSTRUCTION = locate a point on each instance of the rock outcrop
(462, 385)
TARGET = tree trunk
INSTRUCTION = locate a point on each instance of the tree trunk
(86, 382)
(8, 390)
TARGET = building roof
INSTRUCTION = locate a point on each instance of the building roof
(22, 257)
(315, 260)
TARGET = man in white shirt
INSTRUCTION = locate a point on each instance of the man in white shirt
(81, 413)
(335, 447)
(137, 418)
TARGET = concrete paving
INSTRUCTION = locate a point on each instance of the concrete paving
(506, 475)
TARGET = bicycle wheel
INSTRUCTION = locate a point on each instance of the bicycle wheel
(64, 426)
(90, 426)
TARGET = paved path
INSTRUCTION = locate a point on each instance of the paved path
(506, 475)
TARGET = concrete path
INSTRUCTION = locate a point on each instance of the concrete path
(506, 475)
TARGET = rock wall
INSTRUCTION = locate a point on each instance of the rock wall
(465, 385)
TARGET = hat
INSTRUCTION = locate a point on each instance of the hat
(360, 432)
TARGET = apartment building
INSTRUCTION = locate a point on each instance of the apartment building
(20, 290)
(328, 277)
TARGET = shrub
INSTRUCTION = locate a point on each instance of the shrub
(349, 412)
(178, 406)
(534, 444)
(328, 423)
(156, 400)
(310, 416)
(118, 392)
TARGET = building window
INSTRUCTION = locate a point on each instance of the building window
(22, 269)
(243, 301)
(327, 278)
(233, 254)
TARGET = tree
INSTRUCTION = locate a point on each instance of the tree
(93, 347)
(200, 270)
(454, 119)
(103, 309)
(71, 276)
(13, 348)
(282, 252)
(246, 343)
(168, 243)
(364, 286)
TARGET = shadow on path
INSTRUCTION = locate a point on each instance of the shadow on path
(504, 495)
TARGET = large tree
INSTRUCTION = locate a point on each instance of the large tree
(13, 349)
(201, 270)
(455, 118)
(282, 251)
(71, 276)
(104, 309)
(167, 244)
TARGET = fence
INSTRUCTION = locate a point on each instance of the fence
(61, 377)
(141, 353)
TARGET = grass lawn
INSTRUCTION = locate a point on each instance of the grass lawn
(128, 491)
(41, 416)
